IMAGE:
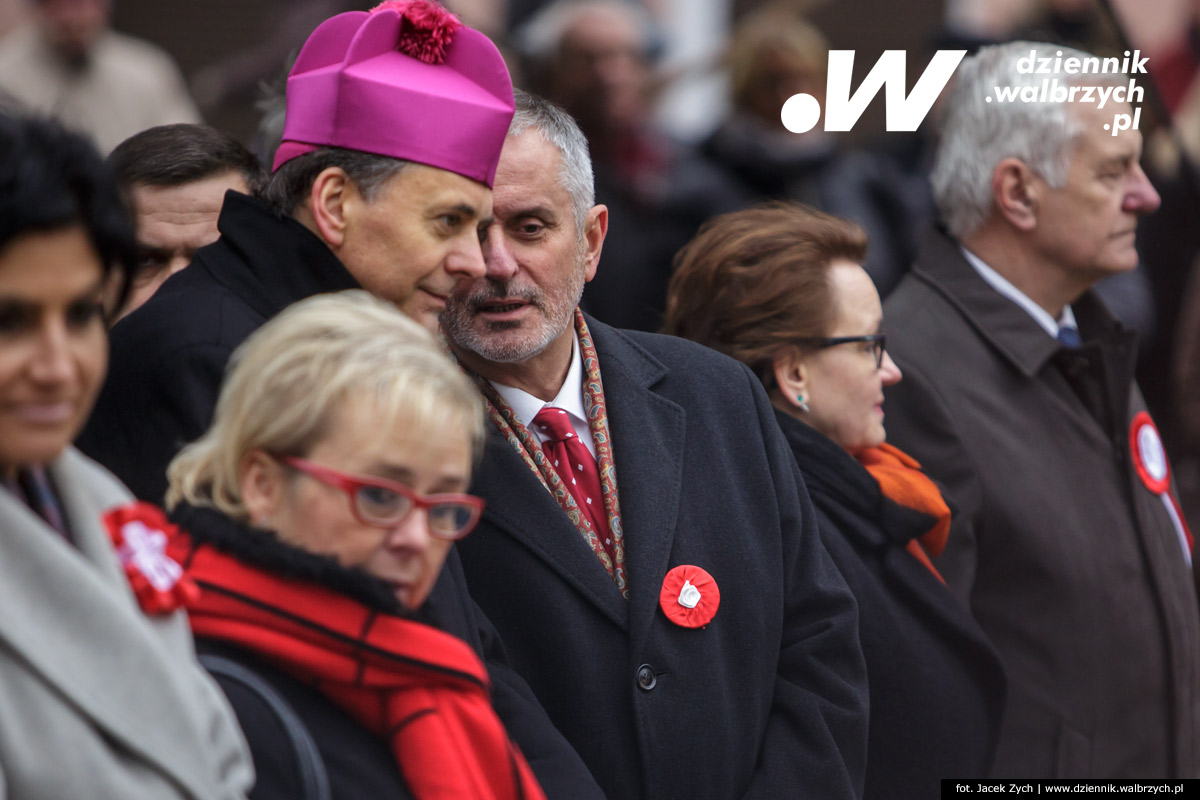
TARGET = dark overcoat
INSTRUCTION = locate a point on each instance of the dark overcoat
(168, 360)
(1069, 562)
(936, 682)
(330, 756)
(766, 701)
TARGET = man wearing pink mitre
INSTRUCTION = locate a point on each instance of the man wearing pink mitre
(395, 121)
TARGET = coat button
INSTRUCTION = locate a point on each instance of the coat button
(646, 679)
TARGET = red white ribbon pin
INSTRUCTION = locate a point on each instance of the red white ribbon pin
(689, 596)
(140, 532)
(1150, 461)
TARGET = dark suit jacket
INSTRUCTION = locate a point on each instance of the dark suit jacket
(1068, 561)
(168, 359)
(767, 700)
(937, 685)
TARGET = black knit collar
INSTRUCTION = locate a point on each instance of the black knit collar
(269, 260)
(833, 475)
(261, 549)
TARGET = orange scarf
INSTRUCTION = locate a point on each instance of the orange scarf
(424, 690)
(901, 480)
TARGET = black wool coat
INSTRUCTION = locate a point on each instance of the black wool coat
(937, 685)
(766, 701)
(353, 763)
(168, 360)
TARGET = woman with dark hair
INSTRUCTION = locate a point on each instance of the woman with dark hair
(781, 288)
(97, 698)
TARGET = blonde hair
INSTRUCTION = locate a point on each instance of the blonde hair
(289, 378)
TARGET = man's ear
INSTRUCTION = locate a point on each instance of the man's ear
(791, 376)
(594, 231)
(331, 193)
(1017, 193)
(260, 479)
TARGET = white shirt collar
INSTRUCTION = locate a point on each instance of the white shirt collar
(1004, 287)
(569, 398)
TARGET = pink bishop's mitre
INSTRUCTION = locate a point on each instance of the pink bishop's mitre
(405, 80)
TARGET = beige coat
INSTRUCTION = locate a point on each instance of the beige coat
(128, 85)
(97, 700)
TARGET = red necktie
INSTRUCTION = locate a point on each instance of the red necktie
(576, 465)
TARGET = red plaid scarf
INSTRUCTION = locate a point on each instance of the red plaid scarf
(423, 689)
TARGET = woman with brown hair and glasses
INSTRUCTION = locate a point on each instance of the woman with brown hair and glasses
(781, 288)
(319, 509)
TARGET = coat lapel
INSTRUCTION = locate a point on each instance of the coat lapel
(1026, 346)
(58, 632)
(648, 434)
(519, 505)
(1001, 322)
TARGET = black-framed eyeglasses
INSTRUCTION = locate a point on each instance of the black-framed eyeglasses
(878, 342)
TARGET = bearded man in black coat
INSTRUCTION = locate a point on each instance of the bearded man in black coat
(663, 590)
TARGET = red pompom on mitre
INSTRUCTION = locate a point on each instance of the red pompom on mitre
(140, 533)
(429, 28)
(689, 596)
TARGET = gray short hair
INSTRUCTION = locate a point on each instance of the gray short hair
(288, 187)
(289, 378)
(560, 129)
(978, 134)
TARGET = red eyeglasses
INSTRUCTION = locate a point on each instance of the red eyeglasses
(383, 503)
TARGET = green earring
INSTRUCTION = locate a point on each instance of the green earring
(800, 404)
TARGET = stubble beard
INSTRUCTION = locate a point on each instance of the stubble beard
(505, 342)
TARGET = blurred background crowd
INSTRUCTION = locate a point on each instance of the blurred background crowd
(680, 102)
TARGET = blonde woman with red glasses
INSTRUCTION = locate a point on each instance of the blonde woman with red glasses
(319, 509)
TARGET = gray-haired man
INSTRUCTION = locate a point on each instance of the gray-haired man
(1019, 397)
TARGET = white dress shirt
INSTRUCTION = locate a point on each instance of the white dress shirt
(569, 398)
(1001, 285)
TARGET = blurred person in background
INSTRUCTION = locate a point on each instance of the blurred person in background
(1019, 398)
(176, 177)
(781, 288)
(775, 53)
(317, 513)
(648, 552)
(68, 62)
(12, 14)
(98, 697)
(1185, 375)
(392, 199)
(596, 58)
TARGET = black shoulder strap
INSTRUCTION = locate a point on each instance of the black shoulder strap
(312, 773)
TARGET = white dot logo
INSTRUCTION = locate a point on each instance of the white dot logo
(800, 113)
